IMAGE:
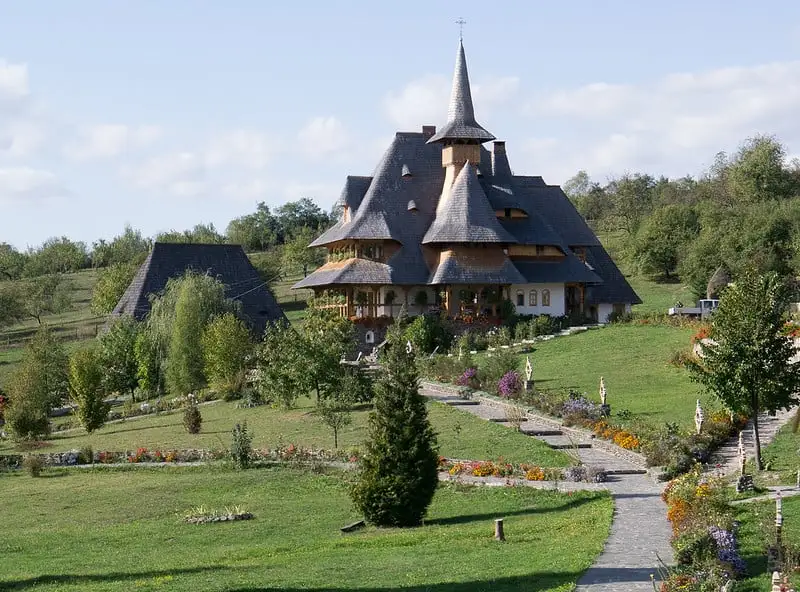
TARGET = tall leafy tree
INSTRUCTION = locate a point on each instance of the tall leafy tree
(110, 286)
(118, 356)
(281, 374)
(198, 299)
(297, 253)
(662, 239)
(56, 256)
(398, 474)
(327, 337)
(748, 364)
(130, 247)
(86, 388)
(255, 232)
(758, 172)
(47, 295)
(226, 347)
(12, 262)
(293, 216)
(12, 305)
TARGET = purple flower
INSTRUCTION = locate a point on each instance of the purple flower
(510, 385)
(468, 375)
(580, 406)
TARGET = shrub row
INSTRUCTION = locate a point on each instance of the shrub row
(529, 472)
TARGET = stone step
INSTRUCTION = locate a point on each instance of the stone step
(569, 446)
(504, 419)
(626, 472)
(540, 432)
(460, 402)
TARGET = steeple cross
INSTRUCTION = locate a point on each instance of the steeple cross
(461, 22)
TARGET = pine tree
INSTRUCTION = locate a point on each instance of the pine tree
(398, 475)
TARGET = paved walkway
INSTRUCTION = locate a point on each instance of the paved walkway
(727, 456)
(640, 531)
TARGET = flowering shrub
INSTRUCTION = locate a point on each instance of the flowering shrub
(510, 385)
(791, 329)
(468, 378)
(534, 474)
(704, 533)
(500, 468)
(702, 333)
(626, 440)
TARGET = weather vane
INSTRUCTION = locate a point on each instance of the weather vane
(461, 22)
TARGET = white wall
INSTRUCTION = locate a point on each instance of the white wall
(557, 306)
(604, 310)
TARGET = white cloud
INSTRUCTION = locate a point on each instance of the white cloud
(425, 100)
(322, 137)
(673, 125)
(254, 189)
(181, 174)
(110, 140)
(21, 137)
(420, 102)
(247, 148)
(25, 183)
(13, 80)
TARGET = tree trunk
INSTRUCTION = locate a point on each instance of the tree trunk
(335, 438)
(756, 441)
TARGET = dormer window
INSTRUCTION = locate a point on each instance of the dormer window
(507, 213)
(405, 172)
(412, 205)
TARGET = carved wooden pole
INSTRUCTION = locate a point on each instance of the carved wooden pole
(779, 528)
(698, 417)
(499, 535)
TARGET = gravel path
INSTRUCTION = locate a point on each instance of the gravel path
(640, 531)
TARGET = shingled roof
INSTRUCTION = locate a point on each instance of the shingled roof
(461, 124)
(228, 263)
(399, 202)
(467, 216)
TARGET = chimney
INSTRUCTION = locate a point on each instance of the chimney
(428, 130)
(500, 167)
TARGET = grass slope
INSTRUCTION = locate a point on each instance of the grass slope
(753, 540)
(633, 359)
(461, 435)
(118, 530)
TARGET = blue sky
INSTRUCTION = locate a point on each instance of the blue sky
(167, 114)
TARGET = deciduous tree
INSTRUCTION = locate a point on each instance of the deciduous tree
(47, 294)
(86, 388)
(226, 347)
(747, 364)
(118, 356)
(111, 285)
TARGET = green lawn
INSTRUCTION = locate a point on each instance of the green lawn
(782, 455)
(461, 435)
(753, 540)
(119, 530)
(659, 297)
(633, 359)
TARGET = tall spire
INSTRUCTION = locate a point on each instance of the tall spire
(461, 124)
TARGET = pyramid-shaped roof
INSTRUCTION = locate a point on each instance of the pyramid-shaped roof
(467, 216)
(461, 124)
(227, 263)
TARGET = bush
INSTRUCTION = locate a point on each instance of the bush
(86, 456)
(496, 366)
(398, 473)
(32, 464)
(510, 385)
(241, 446)
(427, 332)
(192, 419)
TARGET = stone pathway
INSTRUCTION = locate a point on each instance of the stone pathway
(640, 531)
(727, 456)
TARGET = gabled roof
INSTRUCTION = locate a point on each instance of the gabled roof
(349, 271)
(461, 124)
(467, 216)
(228, 263)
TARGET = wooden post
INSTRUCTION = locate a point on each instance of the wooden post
(499, 535)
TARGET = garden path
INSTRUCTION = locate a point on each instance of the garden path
(640, 532)
(727, 456)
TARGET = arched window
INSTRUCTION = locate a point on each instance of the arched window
(369, 337)
(545, 297)
(520, 298)
(533, 298)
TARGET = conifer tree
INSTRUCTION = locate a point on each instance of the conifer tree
(398, 475)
